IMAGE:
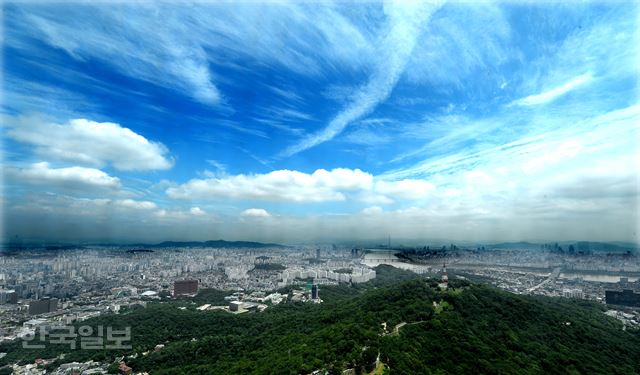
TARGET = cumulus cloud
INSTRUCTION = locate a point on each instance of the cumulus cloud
(338, 184)
(255, 212)
(92, 143)
(281, 185)
(197, 211)
(72, 177)
(138, 205)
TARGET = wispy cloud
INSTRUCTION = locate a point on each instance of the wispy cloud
(24, 96)
(587, 168)
(280, 125)
(462, 40)
(241, 128)
(220, 167)
(284, 114)
(168, 58)
(556, 92)
(170, 45)
(285, 119)
(287, 93)
(405, 22)
(264, 162)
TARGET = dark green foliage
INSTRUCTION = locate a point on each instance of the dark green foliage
(474, 329)
(212, 296)
(113, 368)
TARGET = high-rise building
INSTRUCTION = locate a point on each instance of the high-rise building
(43, 306)
(625, 298)
(8, 296)
(185, 287)
(314, 291)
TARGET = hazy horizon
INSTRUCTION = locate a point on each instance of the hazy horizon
(381, 243)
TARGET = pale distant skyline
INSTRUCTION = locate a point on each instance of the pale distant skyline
(317, 122)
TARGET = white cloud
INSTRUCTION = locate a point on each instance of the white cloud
(168, 57)
(336, 185)
(25, 96)
(565, 150)
(93, 143)
(170, 44)
(197, 211)
(70, 177)
(370, 197)
(192, 215)
(461, 39)
(95, 208)
(556, 92)
(583, 172)
(405, 189)
(255, 212)
(138, 205)
(281, 185)
(372, 211)
(405, 20)
(220, 167)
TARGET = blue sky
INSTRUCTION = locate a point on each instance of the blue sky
(289, 121)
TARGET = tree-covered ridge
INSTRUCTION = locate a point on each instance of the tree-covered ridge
(470, 328)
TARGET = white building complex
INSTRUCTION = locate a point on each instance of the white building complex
(357, 275)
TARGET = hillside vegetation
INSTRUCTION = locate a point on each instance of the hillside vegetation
(469, 328)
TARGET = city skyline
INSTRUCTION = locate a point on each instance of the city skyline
(282, 122)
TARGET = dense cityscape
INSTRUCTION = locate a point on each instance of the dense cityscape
(45, 288)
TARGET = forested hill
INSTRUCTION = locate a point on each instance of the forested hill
(468, 328)
(473, 329)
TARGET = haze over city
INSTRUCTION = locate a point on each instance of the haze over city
(302, 122)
